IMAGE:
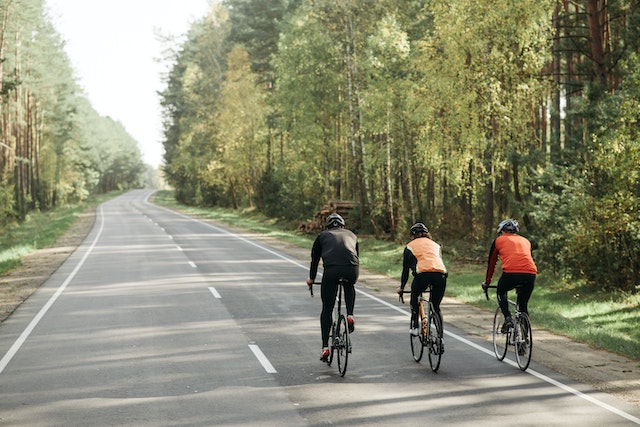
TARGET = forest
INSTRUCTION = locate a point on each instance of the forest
(457, 114)
(55, 149)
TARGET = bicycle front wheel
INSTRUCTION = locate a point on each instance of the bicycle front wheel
(500, 340)
(523, 342)
(417, 346)
(434, 338)
(333, 334)
(344, 344)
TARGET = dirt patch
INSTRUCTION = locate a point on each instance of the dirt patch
(603, 370)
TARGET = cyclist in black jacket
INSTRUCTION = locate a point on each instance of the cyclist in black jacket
(338, 248)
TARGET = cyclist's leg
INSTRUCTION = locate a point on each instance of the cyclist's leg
(328, 292)
(505, 284)
(351, 274)
(438, 286)
(418, 285)
(524, 291)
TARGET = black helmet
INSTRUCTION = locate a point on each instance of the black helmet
(508, 226)
(418, 228)
(334, 220)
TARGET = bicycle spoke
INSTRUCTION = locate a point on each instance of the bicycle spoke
(417, 343)
(524, 341)
(343, 345)
(434, 338)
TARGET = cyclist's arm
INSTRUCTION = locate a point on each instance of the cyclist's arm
(408, 260)
(316, 252)
(491, 264)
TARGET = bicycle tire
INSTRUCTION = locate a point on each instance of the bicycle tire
(332, 342)
(434, 338)
(417, 341)
(500, 340)
(523, 342)
(343, 346)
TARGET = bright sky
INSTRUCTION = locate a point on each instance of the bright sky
(114, 50)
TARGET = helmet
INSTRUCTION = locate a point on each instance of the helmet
(508, 226)
(334, 220)
(418, 228)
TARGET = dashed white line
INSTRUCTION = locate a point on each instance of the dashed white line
(263, 359)
(214, 292)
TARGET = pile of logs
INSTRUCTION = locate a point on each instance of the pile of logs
(341, 207)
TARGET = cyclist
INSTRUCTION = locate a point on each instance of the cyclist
(338, 248)
(518, 268)
(423, 257)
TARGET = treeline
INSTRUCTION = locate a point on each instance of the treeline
(456, 113)
(54, 147)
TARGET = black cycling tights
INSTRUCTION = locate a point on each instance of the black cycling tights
(330, 289)
(523, 284)
(438, 283)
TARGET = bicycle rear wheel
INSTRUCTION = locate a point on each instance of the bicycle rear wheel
(417, 346)
(523, 342)
(436, 346)
(500, 340)
(343, 345)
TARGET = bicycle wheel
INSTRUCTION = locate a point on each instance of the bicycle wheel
(344, 345)
(417, 346)
(332, 341)
(434, 338)
(500, 340)
(523, 341)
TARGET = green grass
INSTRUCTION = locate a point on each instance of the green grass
(39, 230)
(602, 320)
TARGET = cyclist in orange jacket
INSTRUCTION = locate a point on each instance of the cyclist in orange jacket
(518, 268)
(423, 257)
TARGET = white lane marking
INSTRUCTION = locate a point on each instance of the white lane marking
(214, 292)
(193, 264)
(179, 248)
(452, 335)
(263, 359)
(25, 334)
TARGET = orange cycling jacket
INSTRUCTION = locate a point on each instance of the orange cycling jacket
(515, 253)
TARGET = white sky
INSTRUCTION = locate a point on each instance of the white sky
(113, 49)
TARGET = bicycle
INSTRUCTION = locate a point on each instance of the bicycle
(519, 335)
(339, 338)
(429, 331)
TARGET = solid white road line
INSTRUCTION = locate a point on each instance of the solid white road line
(25, 334)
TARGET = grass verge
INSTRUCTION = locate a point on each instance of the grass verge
(603, 320)
(40, 230)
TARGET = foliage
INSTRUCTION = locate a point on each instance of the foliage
(54, 148)
(455, 114)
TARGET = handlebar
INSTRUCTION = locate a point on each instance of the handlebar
(311, 287)
(400, 297)
(486, 293)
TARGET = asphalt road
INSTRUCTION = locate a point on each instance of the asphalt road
(163, 320)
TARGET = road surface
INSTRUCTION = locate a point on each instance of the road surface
(159, 319)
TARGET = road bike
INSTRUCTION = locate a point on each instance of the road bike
(339, 338)
(519, 335)
(429, 331)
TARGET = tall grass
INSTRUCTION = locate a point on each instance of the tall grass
(603, 320)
